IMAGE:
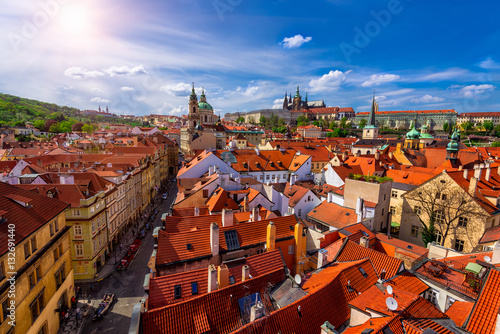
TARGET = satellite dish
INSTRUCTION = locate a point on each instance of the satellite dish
(391, 303)
(487, 259)
(298, 279)
(389, 289)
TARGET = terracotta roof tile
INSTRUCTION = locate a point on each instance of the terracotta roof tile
(459, 311)
(172, 247)
(333, 215)
(485, 313)
(491, 234)
(407, 246)
(220, 200)
(408, 282)
(418, 326)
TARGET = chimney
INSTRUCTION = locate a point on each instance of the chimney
(196, 211)
(377, 155)
(360, 205)
(210, 170)
(227, 217)
(472, 186)
(390, 155)
(271, 237)
(477, 172)
(495, 259)
(223, 276)
(329, 198)
(322, 258)
(364, 241)
(257, 311)
(344, 156)
(255, 214)
(212, 278)
(257, 151)
(328, 328)
(292, 180)
(214, 239)
(246, 185)
(466, 173)
(245, 203)
(498, 170)
(245, 273)
(488, 174)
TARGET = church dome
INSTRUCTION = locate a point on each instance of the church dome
(205, 106)
(413, 134)
(198, 127)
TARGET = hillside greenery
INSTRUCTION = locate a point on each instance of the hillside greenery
(17, 111)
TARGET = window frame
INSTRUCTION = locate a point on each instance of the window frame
(414, 231)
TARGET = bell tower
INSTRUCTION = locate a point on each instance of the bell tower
(193, 117)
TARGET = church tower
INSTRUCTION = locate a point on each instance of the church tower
(193, 117)
(285, 102)
(370, 131)
(297, 101)
(453, 146)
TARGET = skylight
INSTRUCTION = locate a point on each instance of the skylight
(194, 288)
(232, 241)
(363, 272)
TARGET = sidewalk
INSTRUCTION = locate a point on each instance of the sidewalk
(71, 326)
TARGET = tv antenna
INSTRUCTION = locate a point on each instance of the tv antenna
(389, 289)
(391, 303)
(487, 259)
(298, 279)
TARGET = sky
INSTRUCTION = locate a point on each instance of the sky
(141, 57)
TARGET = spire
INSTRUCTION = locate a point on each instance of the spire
(306, 97)
(203, 98)
(297, 94)
(285, 101)
(290, 98)
(193, 96)
(371, 119)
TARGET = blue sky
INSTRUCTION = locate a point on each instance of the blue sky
(140, 57)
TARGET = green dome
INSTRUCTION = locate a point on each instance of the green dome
(452, 146)
(205, 105)
(413, 134)
(426, 136)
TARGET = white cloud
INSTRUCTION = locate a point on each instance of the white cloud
(377, 79)
(474, 90)
(330, 81)
(125, 70)
(295, 41)
(251, 90)
(427, 98)
(127, 89)
(489, 64)
(99, 100)
(82, 73)
(277, 104)
(180, 89)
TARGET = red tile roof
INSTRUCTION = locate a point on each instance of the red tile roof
(175, 224)
(351, 251)
(216, 312)
(219, 200)
(461, 261)
(375, 300)
(161, 289)
(404, 245)
(485, 313)
(491, 234)
(354, 232)
(27, 219)
(172, 247)
(418, 326)
(408, 282)
(459, 311)
(446, 111)
(333, 215)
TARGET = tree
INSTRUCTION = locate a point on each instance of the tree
(333, 125)
(39, 124)
(48, 124)
(362, 123)
(343, 122)
(87, 128)
(54, 128)
(65, 126)
(263, 120)
(495, 144)
(488, 125)
(467, 126)
(445, 126)
(302, 120)
(77, 127)
(240, 119)
(439, 204)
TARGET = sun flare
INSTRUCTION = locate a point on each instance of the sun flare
(74, 19)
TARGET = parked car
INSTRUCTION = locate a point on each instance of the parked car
(164, 196)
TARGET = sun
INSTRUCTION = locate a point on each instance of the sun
(74, 19)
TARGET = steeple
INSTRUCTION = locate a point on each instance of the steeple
(453, 146)
(285, 101)
(193, 96)
(371, 119)
(290, 98)
(306, 98)
(203, 98)
(297, 94)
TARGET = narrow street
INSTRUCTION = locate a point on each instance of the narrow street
(127, 285)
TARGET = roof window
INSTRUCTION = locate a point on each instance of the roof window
(363, 272)
(194, 288)
(177, 292)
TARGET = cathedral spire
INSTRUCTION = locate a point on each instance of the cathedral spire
(193, 96)
(371, 119)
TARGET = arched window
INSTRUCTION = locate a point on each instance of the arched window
(194, 124)
(194, 109)
(308, 198)
(368, 152)
(205, 118)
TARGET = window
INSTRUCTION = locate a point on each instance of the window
(205, 193)
(414, 231)
(384, 196)
(267, 177)
(56, 225)
(194, 288)
(51, 228)
(78, 249)
(300, 212)
(462, 221)
(37, 306)
(291, 249)
(432, 296)
(39, 273)
(459, 245)
(439, 238)
(392, 210)
(43, 329)
(363, 272)
(93, 226)
(27, 250)
(177, 292)
(33, 244)
(32, 279)
(77, 229)
(60, 276)
(394, 194)
(5, 311)
(439, 216)
(382, 212)
(417, 210)
(444, 197)
(76, 212)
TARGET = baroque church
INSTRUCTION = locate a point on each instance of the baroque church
(200, 112)
(297, 104)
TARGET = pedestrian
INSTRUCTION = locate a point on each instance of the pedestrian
(73, 302)
(91, 287)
